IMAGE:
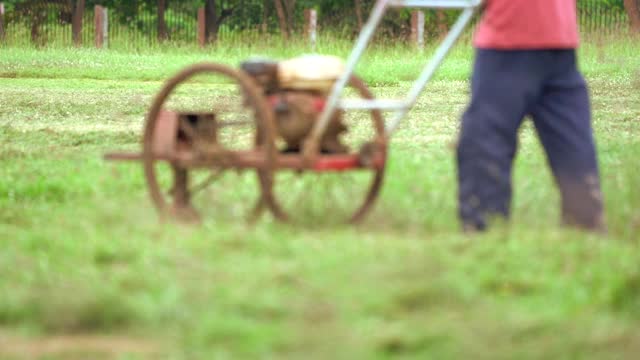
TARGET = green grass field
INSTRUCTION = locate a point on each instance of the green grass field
(87, 271)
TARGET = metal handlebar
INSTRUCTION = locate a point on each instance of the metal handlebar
(400, 107)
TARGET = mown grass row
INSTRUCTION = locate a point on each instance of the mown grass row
(385, 64)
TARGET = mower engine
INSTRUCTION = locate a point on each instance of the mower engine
(297, 91)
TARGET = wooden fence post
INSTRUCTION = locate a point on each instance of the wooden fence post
(633, 11)
(105, 27)
(76, 24)
(202, 33)
(1, 22)
(417, 29)
(311, 27)
(101, 19)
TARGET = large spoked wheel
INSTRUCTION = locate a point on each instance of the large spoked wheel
(195, 131)
(314, 197)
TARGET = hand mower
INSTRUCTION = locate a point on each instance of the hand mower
(307, 117)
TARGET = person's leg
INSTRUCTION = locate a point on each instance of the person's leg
(504, 85)
(563, 121)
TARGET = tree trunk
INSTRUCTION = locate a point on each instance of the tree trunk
(211, 21)
(215, 14)
(76, 26)
(163, 31)
(442, 23)
(265, 16)
(358, 6)
(38, 15)
(633, 10)
(289, 7)
(282, 20)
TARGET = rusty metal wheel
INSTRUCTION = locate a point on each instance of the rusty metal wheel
(187, 158)
(329, 197)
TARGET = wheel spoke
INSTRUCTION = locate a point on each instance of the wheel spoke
(215, 175)
(224, 124)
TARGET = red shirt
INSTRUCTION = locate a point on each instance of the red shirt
(528, 24)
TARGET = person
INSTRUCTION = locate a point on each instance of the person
(525, 64)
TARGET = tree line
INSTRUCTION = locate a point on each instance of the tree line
(284, 15)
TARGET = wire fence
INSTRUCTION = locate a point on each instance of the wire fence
(43, 23)
(49, 23)
(602, 16)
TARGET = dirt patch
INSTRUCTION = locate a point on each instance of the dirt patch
(8, 75)
(74, 346)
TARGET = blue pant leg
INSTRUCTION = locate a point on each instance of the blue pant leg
(562, 118)
(504, 84)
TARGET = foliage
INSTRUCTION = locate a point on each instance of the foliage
(338, 15)
(601, 4)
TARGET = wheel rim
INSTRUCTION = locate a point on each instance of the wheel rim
(262, 119)
(287, 207)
